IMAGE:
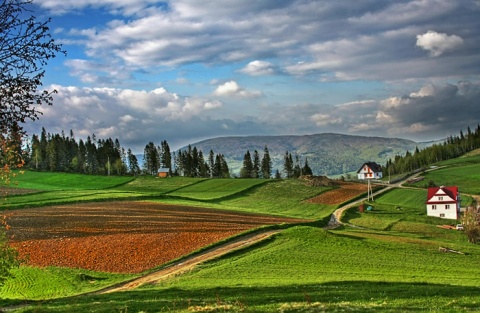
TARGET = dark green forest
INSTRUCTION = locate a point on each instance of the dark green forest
(452, 147)
(62, 153)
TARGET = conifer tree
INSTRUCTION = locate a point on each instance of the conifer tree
(247, 168)
(266, 164)
(256, 165)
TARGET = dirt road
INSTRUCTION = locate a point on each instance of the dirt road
(189, 263)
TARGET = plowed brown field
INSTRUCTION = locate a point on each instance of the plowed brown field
(122, 237)
(344, 192)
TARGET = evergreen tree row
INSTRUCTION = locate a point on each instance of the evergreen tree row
(454, 146)
(60, 153)
(254, 168)
(192, 163)
(295, 169)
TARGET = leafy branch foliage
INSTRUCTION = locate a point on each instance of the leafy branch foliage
(25, 48)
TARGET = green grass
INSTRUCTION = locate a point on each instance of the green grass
(64, 181)
(155, 186)
(466, 177)
(212, 189)
(282, 197)
(34, 283)
(400, 210)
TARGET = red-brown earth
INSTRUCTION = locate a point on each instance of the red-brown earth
(344, 192)
(122, 237)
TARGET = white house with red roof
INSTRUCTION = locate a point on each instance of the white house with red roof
(370, 170)
(443, 202)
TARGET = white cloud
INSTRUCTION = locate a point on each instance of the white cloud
(406, 12)
(156, 35)
(325, 119)
(438, 43)
(232, 89)
(259, 68)
(126, 7)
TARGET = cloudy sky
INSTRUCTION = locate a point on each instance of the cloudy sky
(186, 70)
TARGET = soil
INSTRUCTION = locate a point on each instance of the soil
(122, 237)
(344, 192)
(11, 191)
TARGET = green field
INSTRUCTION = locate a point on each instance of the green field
(389, 262)
(465, 177)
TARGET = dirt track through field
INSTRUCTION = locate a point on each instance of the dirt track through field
(189, 263)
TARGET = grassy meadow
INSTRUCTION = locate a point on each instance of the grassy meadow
(462, 172)
(389, 261)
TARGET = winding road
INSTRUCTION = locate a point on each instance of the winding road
(187, 264)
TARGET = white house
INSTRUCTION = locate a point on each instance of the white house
(443, 202)
(370, 170)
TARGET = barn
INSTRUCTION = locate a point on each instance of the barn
(163, 172)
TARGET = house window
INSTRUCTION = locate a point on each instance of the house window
(447, 206)
(434, 207)
(440, 198)
(442, 215)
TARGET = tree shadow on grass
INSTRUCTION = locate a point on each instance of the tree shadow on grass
(359, 296)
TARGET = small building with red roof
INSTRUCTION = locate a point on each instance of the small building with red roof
(443, 202)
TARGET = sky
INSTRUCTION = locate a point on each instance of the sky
(188, 70)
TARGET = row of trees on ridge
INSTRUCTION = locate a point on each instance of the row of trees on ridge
(452, 147)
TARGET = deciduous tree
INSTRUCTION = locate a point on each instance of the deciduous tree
(25, 48)
(471, 223)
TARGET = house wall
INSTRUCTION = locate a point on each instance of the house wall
(440, 210)
(367, 173)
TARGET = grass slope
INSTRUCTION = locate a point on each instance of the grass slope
(48, 181)
(53, 282)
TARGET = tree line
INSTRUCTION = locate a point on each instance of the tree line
(254, 167)
(452, 147)
(63, 153)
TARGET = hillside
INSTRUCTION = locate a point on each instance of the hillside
(328, 154)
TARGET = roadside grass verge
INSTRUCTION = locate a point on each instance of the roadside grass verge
(309, 270)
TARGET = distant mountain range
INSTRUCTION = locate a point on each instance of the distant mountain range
(328, 154)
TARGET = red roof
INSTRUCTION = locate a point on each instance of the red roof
(450, 191)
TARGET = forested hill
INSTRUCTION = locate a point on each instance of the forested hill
(328, 154)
